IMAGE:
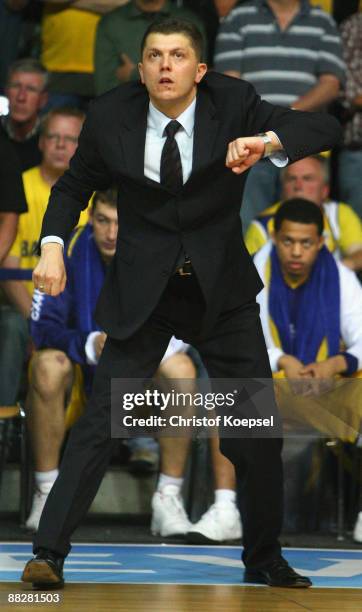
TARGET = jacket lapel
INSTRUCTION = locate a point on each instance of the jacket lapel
(206, 127)
(133, 134)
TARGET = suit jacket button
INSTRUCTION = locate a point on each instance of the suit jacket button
(166, 272)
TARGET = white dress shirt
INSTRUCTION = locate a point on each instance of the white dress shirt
(156, 138)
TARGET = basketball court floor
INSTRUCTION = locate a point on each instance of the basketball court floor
(180, 578)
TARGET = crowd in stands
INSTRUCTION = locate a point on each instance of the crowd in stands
(302, 223)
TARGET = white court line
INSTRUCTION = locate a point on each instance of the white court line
(108, 571)
(188, 546)
(98, 555)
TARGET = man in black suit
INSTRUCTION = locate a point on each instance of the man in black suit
(180, 267)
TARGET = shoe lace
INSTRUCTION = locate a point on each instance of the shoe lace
(176, 503)
(216, 510)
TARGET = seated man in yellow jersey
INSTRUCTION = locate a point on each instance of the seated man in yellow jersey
(311, 313)
(58, 140)
(309, 178)
(67, 48)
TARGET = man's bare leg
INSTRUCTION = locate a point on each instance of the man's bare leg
(223, 469)
(51, 380)
(169, 516)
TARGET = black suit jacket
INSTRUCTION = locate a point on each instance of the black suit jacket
(154, 223)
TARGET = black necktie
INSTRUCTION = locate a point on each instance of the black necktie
(171, 167)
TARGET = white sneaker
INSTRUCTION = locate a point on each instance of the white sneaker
(221, 523)
(357, 531)
(40, 496)
(168, 513)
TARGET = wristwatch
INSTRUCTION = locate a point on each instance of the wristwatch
(268, 144)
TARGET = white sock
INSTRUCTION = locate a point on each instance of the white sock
(165, 480)
(225, 496)
(45, 478)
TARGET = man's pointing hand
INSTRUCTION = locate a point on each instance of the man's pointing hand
(49, 276)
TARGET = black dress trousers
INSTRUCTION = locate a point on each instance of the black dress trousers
(235, 348)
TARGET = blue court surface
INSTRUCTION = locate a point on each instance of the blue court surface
(166, 564)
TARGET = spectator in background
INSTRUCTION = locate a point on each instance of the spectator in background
(210, 12)
(12, 203)
(350, 157)
(11, 20)
(309, 179)
(26, 90)
(119, 36)
(58, 141)
(67, 48)
(311, 313)
(291, 52)
(326, 295)
(12, 197)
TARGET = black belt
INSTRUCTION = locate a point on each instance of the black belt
(186, 269)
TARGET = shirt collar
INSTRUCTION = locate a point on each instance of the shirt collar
(158, 120)
(135, 11)
(6, 123)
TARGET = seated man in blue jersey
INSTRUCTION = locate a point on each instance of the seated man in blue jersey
(64, 329)
(311, 313)
(310, 178)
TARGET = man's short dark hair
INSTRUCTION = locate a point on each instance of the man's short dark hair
(299, 210)
(176, 26)
(108, 196)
